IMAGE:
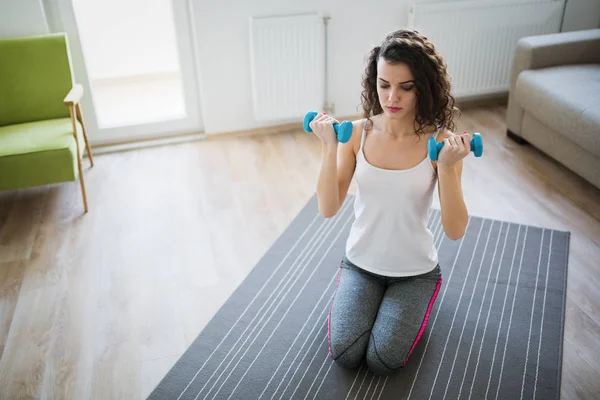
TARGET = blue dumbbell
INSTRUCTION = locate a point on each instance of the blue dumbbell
(434, 147)
(343, 130)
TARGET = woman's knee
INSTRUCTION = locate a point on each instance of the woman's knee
(351, 316)
(381, 359)
(348, 351)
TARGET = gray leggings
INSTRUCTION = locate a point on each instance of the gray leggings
(379, 318)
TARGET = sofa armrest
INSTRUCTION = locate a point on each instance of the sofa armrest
(554, 49)
(74, 95)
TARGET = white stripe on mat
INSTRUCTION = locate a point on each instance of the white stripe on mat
(376, 386)
(317, 374)
(532, 314)
(503, 308)
(307, 368)
(315, 236)
(511, 312)
(537, 364)
(324, 230)
(348, 220)
(383, 387)
(361, 385)
(323, 380)
(355, 378)
(369, 388)
(462, 332)
(298, 366)
(314, 220)
(485, 290)
(308, 336)
(300, 350)
(489, 312)
(438, 310)
(456, 309)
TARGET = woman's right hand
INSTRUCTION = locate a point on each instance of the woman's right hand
(322, 126)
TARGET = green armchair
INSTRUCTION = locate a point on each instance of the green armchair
(42, 132)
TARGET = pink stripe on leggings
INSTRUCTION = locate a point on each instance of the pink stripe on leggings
(435, 293)
(329, 314)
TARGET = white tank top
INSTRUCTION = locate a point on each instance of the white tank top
(389, 235)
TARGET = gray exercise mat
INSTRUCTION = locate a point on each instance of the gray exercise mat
(494, 332)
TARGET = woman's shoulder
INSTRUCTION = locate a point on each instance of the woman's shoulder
(358, 125)
(358, 128)
(364, 125)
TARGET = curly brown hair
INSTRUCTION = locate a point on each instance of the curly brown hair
(435, 104)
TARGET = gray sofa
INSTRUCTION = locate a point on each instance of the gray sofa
(554, 99)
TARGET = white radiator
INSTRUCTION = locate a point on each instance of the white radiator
(288, 66)
(477, 38)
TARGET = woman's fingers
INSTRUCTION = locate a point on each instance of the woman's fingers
(459, 143)
(467, 141)
(447, 143)
(318, 119)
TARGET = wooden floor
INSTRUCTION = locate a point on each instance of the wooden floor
(100, 306)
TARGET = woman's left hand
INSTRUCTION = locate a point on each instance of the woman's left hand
(455, 149)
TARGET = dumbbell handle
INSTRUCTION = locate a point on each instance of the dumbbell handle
(342, 130)
(476, 144)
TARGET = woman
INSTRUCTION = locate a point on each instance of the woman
(390, 276)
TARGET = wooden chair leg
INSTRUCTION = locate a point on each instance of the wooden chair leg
(82, 183)
(72, 110)
(87, 143)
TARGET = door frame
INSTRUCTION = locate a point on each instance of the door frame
(61, 18)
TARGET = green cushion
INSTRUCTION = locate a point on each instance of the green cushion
(39, 153)
(35, 77)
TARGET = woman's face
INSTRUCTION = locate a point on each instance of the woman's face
(396, 90)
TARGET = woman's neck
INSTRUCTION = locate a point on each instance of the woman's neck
(397, 128)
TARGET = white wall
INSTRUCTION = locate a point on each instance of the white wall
(223, 53)
(355, 26)
(581, 14)
(22, 18)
